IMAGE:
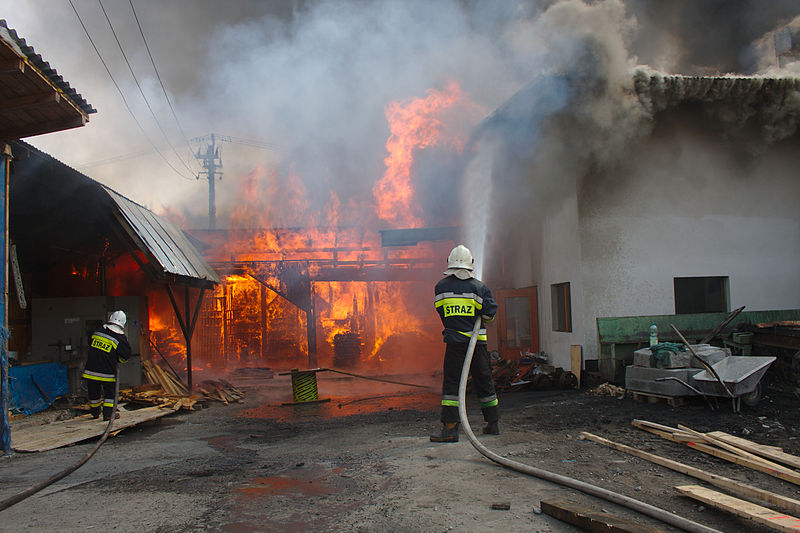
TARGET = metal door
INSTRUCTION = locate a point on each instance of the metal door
(518, 322)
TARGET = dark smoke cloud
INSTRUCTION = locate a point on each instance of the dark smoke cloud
(706, 37)
(313, 78)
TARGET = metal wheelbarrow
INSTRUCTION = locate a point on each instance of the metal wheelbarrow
(737, 377)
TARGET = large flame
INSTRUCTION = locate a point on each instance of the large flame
(413, 124)
(284, 262)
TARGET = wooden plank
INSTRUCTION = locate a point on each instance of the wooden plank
(63, 433)
(593, 521)
(641, 424)
(731, 485)
(651, 397)
(784, 474)
(771, 452)
(576, 360)
(745, 509)
(733, 449)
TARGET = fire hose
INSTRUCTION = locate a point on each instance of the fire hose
(620, 499)
(8, 502)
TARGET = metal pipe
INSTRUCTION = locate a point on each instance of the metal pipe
(620, 499)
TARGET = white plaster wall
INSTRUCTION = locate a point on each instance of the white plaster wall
(561, 259)
(687, 206)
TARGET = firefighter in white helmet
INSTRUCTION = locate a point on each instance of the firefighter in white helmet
(108, 346)
(459, 299)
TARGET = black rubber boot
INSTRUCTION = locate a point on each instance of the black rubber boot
(449, 433)
(491, 428)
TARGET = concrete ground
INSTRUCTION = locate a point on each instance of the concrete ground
(359, 462)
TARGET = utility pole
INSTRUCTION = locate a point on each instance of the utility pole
(212, 162)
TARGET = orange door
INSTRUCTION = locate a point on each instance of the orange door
(517, 322)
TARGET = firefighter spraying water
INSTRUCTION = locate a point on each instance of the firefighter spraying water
(459, 299)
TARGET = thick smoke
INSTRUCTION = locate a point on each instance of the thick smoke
(538, 150)
(312, 79)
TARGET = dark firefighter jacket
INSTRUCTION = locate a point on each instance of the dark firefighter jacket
(459, 302)
(106, 348)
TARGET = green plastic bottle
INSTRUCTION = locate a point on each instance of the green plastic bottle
(653, 334)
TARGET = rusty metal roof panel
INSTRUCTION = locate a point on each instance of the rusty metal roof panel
(167, 243)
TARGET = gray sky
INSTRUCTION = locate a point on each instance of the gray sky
(310, 81)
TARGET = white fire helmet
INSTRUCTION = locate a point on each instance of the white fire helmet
(459, 262)
(116, 322)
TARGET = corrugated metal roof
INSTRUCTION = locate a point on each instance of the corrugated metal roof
(167, 243)
(21, 47)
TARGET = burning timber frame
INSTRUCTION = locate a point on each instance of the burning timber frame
(293, 280)
(292, 274)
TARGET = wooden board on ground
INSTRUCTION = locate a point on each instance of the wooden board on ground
(731, 448)
(66, 432)
(591, 520)
(771, 452)
(736, 487)
(757, 513)
(678, 435)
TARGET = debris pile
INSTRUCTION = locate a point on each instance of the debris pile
(221, 391)
(532, 372)
(166, 388)
(607, 389)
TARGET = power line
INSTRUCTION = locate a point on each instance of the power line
(114, 159)
(122, 95)
(264, 145)
(174, 115)
(255, 144)
(141, 91)
(140, 153)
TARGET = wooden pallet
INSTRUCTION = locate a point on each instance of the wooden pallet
(66, 432)
(651, 397)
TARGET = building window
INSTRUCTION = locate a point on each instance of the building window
(701, 295)
(562, 307)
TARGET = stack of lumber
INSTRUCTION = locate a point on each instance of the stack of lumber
(770, 460)
(153, 394)
(168, 381)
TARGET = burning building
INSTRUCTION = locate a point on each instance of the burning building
(81, 250)
(349, 286)
(323, 296)
(594, 191)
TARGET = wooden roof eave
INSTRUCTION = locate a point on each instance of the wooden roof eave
(15, 64)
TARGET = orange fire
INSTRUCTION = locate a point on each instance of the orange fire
(415, 124)
(283, 262)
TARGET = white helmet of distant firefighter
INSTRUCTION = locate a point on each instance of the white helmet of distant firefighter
(459, 263)
(116, 322)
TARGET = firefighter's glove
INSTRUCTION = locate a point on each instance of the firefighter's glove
(487, 318)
